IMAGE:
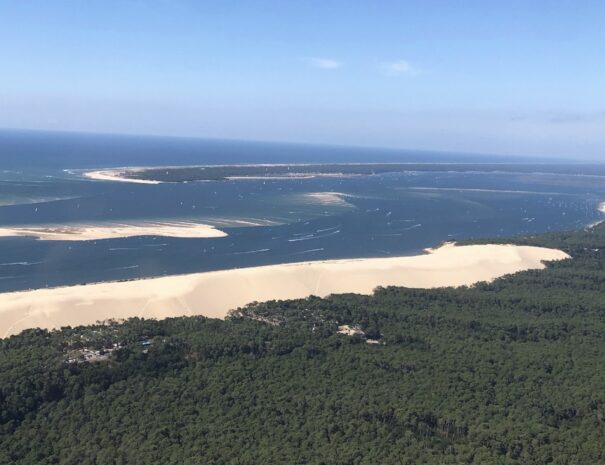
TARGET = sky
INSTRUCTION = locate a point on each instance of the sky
(499, 77)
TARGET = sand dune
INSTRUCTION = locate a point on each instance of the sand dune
(109, 231)
(213, 294)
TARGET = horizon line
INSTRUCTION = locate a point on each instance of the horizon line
(297, 143)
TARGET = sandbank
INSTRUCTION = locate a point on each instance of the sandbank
(111, 231)
(116, 175)
(328, 198)
(213, 294)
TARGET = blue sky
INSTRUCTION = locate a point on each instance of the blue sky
(509, 77)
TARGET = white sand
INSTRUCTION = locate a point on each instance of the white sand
(213, 294)
(110, 231)
(116, 175)
(286, 176)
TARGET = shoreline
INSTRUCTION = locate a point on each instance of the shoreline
(211, 294)
(115, 175)
(92, 232)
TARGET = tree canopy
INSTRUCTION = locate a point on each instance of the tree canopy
(509, 372)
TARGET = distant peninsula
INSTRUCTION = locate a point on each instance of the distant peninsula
(181, 174)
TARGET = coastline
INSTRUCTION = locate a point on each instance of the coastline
(111, 231)
(211, 294)
(115, 175)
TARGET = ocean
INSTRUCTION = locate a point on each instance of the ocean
(267, 221)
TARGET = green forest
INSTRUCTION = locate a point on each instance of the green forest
(510, 372)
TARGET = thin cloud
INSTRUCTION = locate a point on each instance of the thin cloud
(324, 63)
(398, 68)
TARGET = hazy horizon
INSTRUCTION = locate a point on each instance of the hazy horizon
(467, 156)
(517, 79)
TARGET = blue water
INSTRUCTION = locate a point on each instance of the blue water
(391, 214)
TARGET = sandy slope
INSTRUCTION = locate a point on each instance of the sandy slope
(214, 293)
(109, 231)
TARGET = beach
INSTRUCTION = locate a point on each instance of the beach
(213, 294)
(115, 175)
(113, 230)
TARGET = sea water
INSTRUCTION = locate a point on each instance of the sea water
(267, 221)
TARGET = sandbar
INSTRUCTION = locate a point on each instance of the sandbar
(213, 294)
(328, 198)
(84, 232)
(116, 175)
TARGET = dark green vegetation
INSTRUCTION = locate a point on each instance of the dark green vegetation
(220, 173)
(506, 373)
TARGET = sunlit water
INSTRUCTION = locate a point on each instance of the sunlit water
(267, 221)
